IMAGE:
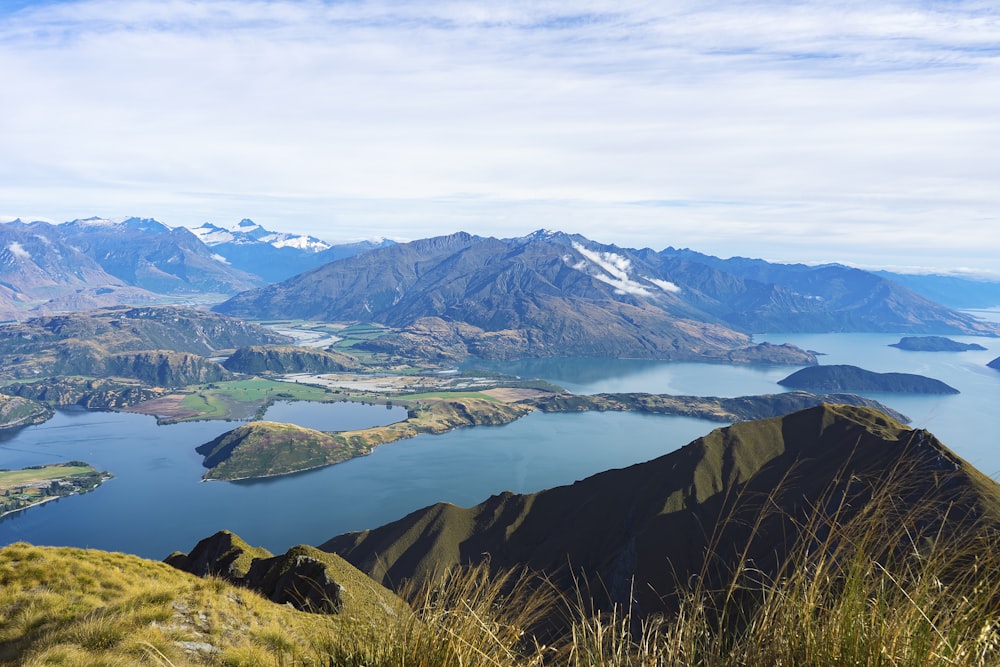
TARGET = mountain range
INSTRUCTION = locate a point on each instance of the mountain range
(555, 294)
(275, 256)
(96, 262)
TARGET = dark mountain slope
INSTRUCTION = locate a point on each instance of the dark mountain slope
(754, 295)
(542, 295)
(639, 530)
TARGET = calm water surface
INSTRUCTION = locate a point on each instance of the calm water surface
(156, 503)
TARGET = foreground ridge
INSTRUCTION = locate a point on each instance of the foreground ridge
(642, 529)
(893, 563)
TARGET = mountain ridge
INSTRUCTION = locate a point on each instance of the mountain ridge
(555, 294)
(642, 529)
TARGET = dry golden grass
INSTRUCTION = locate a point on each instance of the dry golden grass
(881, 576)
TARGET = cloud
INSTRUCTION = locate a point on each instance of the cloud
(802, 126)
(18, 250)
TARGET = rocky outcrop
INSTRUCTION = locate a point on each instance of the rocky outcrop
(304, 577)
(934, 344)
(97, 394)
(842, 377)
(163, 368)
(257, 360)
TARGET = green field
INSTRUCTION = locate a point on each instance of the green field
(242, 399)
(12, 478)
(448, 394)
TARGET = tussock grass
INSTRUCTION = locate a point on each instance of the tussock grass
(891, 572)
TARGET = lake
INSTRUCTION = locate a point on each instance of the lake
(157, 504)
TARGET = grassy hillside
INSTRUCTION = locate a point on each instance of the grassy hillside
(834, 536)
(79, 607)
(640, 530)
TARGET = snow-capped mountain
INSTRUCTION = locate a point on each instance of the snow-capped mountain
(274, 256)
(248, 232)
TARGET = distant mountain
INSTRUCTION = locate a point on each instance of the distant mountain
(148, 254)
(950, 290)
(553, 294)
(732, 499)
(275, 256)
(548, 294)
(42, 272)
(754, 295)
(95, 262)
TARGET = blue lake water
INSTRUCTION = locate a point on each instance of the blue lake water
(157, 504)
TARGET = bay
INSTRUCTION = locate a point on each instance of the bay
(157, 504)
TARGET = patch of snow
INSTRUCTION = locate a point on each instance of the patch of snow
(211, 235)
(18, 250)
(665, 285)
(220, 259)
(99, 222)
(301, 242)
(613, 270)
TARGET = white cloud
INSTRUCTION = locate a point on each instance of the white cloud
(18, 250)
(610, 268)
(665, 285)
(804, 130)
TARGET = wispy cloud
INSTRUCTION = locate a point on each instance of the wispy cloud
(783, 128)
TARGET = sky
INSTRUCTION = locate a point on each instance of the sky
(861, 132)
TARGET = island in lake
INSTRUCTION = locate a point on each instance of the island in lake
(21, 489)
(934, 344)
(843, 377)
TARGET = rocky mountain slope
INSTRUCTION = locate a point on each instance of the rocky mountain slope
(754, 295)
(95, 262)
(41, 272)
(257, 359)
(107, 342)
(544, 295)
(553, 294)
(729, 498)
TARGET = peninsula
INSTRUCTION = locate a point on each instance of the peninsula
(268, 449)
(21, 489)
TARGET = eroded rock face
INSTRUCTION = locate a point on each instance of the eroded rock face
(302, 577)
(298, 579)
